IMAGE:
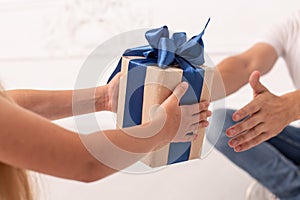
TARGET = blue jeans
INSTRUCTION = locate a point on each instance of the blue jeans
(274, 163)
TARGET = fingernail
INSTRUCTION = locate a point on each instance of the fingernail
(233, 143)
(231, 132)
(184, 85)
(209, 113)
(237, 117)
(238, 148)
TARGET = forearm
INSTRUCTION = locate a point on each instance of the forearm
(90, 157)
(231, 74)
(58, 104)
(119, 149)
(32, 142)
(235, 71)
(140, 139)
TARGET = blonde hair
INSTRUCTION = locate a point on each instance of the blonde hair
(14, 182)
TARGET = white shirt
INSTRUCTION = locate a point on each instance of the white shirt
(285, 38)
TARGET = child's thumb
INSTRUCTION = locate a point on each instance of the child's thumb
(179, 91)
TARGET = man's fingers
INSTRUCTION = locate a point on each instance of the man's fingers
(247, 136)
(252, 143)
(247, 110)
(244, 125)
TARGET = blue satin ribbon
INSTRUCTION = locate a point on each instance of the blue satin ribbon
(164, 52)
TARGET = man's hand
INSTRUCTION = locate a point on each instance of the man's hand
(263, 118)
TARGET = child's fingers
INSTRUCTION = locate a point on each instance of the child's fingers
(194, 108)
(199, 107)
(194, 127)
(185, 138)
(196, 118)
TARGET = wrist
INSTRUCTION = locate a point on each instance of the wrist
(142, 138)
(161, 130)
(154, 133)
(293, 105)
(102, 98)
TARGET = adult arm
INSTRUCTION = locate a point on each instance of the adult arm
(234, 72)
(267, 114)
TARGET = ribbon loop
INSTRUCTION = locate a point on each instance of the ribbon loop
(179, 38)
(175, 50)
(166, 52)
(153, 36)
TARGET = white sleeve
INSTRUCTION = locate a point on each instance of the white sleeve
(280, 34)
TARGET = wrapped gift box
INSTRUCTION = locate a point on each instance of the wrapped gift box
(150, 74)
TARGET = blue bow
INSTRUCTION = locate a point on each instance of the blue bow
(169, 51)
(165, 51)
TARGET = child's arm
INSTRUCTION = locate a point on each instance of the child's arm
(29, 141)
(58, 104)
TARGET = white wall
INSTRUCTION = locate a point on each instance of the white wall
(44, 43)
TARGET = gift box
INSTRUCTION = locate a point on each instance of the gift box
(150, 74)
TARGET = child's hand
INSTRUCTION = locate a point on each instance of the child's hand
(177, 121)
(112, 94)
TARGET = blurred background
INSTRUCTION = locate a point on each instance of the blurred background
(43, 44)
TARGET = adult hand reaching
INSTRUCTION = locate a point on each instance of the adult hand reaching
(263, 118)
